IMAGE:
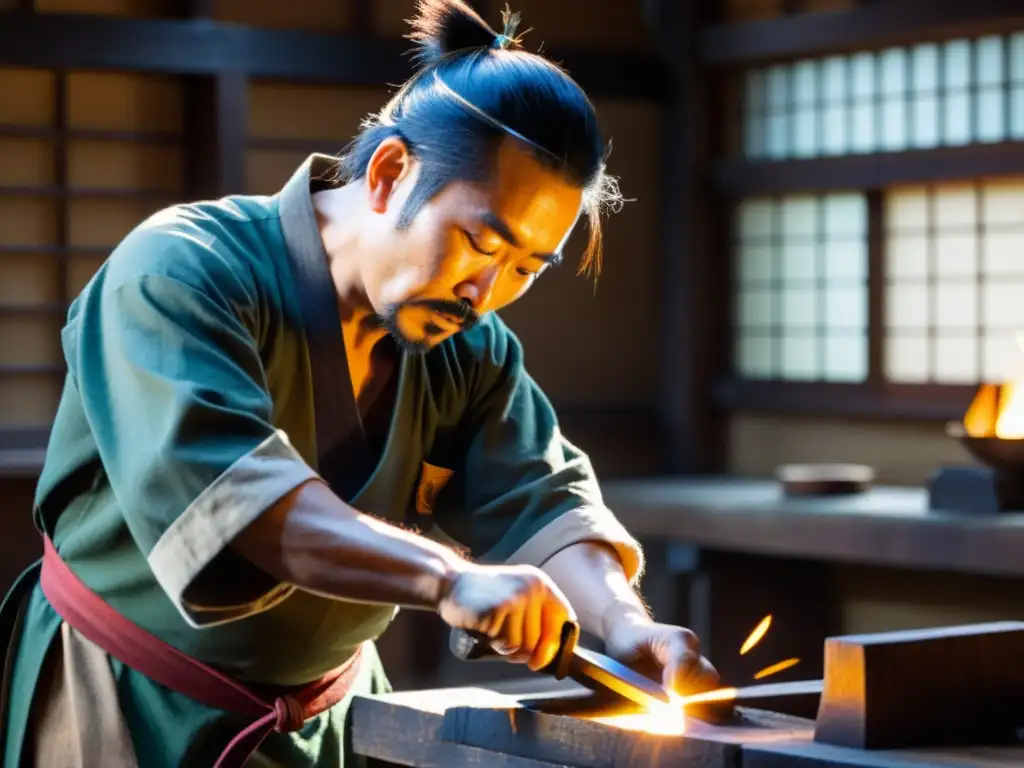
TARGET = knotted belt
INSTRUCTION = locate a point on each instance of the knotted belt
(96, 620)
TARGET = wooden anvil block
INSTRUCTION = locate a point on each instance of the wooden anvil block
(930, 687)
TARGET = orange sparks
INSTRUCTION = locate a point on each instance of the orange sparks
(778, 667)
(719, 694)
(755, 637)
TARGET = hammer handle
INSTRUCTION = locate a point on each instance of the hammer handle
(475, 646)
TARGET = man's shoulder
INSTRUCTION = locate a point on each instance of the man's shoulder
(218, 244)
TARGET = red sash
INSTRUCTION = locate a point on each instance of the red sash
(93, 618)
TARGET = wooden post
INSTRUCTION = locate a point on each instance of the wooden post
(692, 333)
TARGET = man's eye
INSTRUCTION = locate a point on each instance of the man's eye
(476, 246)
(525, 272)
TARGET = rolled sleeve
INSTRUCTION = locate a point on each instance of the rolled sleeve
(223, 510)
(595, 523)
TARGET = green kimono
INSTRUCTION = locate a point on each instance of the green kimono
(207, 379)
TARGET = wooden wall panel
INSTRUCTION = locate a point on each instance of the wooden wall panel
(125, 101)
(73, 182)
(902, 454)
(31, 341)
(27, 162)
(28, 400)
(99, 223)
(330, 118)
(109, 165)
(27, 220)
(30, 97)
(302, 111)
(28, 279)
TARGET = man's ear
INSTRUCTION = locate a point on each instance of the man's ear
(390, 164)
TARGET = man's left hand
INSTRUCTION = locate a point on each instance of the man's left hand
(635, 639)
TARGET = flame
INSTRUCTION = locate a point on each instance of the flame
(777, 667)
(660, 720)
(997, 410)
(755, 637)
(670, 719)
(1010, 424)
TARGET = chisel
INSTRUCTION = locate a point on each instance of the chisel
(588, 668)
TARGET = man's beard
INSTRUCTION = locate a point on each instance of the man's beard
(459, 312)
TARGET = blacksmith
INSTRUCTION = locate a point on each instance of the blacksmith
(266, 396)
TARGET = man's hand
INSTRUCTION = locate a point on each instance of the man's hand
(518, 606)
(634, 638)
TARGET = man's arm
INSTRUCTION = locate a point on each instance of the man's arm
(314, 540)
(593, 579)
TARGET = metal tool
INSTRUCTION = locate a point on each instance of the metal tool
(593, 670)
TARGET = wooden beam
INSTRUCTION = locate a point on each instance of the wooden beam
(203, 47)
(932, 687)
(739, 178)
(892, 22)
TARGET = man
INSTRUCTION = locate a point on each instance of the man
(266, 393)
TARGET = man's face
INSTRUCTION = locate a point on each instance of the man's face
(473, 249)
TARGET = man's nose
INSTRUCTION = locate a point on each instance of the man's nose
(477, 289)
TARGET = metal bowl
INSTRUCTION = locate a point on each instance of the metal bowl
(1002, 454)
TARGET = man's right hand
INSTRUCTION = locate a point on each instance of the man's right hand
(518, 606)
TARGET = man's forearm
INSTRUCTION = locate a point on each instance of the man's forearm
(593, 579)
(315, 541)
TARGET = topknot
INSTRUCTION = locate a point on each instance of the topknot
(441, 27)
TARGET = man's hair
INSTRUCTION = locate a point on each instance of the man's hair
(474, 87)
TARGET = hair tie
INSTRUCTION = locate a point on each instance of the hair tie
(508, 37)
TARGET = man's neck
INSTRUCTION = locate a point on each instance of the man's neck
(340, 237)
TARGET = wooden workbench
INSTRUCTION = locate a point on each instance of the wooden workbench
(474, 727)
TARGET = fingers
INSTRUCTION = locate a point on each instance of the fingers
(518, 607)
(690, 674)
(553, 618)
(684, 670)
